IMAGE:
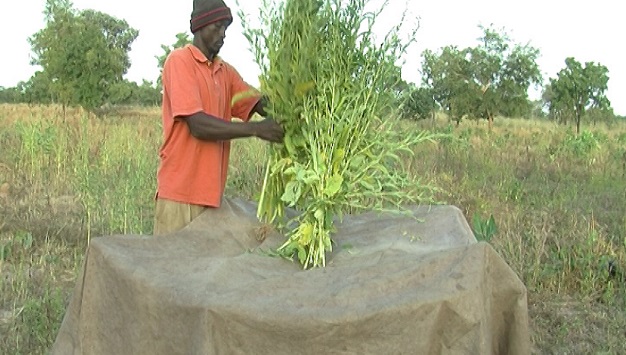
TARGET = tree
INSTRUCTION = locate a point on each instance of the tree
(146, 94)
(82, 53)
(595, 115)
(418, 103)
(49, 47)
(10, 95)
(38, 89)
(486, 63)
(131, 93)
(182, 39)
(483, 81)
(576, 89)
(447, 76)
(503, 72)
(557, 110)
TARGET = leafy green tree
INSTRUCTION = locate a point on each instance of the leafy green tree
(419, 103)
(537, 110)
(182, 39)
(38, 89)
(83, 53)
(121, 92)
(576, 89)
(504, 72)
(485, 62)
(51, 45)
(10, 95)
(146, 94)
(132, 94)
(447, 74)
(597, 115)
(557, 110)
(483, 81)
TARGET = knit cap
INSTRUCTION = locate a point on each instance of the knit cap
(208, 11)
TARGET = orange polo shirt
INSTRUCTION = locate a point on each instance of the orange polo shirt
(191, 170)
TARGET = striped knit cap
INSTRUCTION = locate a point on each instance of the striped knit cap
(208, 11)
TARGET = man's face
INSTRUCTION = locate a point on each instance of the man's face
(213, 35)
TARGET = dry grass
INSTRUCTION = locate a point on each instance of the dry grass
(557, 199)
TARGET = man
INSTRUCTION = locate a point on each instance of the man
(201, 93)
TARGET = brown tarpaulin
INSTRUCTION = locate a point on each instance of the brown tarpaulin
(393, 285)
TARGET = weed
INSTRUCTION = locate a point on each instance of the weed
(484, 229)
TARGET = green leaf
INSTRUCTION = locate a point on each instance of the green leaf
(484, 230)
(357, 161)
(288, 142)
(491, 226)
(319, 215)
(333, 185)
(301, 254)
(367, 185)
(310, 177)
(291, 194)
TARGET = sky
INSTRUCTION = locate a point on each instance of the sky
(587, 31)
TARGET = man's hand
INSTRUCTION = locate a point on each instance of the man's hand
(269, 130)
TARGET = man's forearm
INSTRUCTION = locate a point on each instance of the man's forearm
(209, 128)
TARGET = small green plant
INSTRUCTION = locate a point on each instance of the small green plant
(39, 320)
(484, 229)
(5, 250)
(583, 144)
(24, 238)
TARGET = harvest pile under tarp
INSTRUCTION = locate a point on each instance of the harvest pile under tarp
(392, 285)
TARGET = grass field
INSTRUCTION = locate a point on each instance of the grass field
(558, 201)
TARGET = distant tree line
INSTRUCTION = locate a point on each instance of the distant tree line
(83, 57)
(493, 79)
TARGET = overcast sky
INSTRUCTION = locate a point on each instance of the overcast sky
(585, 30)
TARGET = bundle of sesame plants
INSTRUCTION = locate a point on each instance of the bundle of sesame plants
(330, 83)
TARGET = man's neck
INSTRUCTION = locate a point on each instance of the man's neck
(207, 53)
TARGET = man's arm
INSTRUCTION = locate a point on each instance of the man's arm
(209, 128)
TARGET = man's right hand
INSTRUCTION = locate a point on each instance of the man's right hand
(269, 130)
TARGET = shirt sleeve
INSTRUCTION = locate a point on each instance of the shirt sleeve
(180, 85)
(244, 96)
